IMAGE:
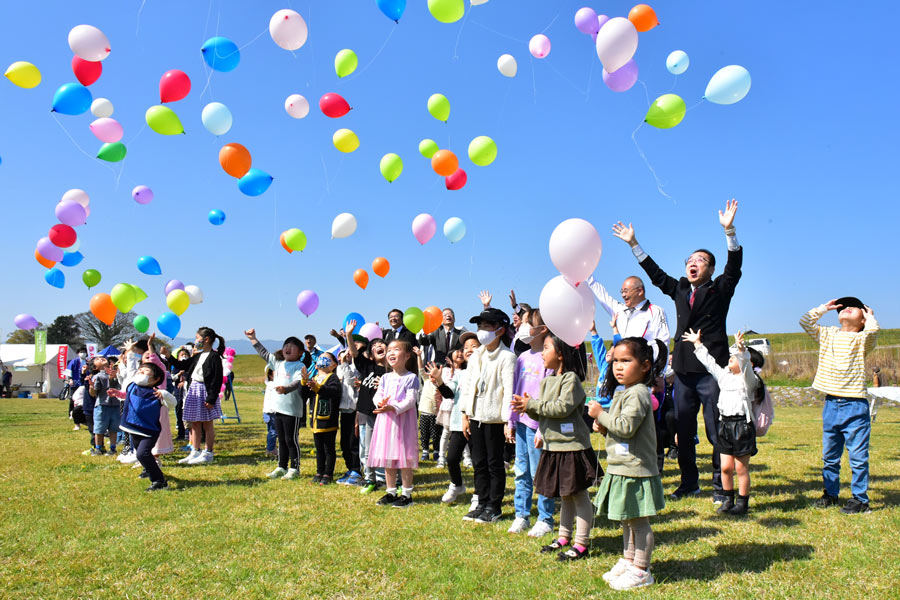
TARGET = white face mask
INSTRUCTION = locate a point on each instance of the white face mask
(525, 333)
(486, 337)
(141, 379)
(82, 355)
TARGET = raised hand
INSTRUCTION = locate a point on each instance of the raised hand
(150, 341)
(691, 336)
(351, 325)
(250, 333)
(739, 340)
(832, 305)
(485, 297)
(512, 299)
(626, 234)
(726, 219)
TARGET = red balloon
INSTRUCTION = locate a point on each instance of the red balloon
(456, 181)
(62, 236)
(86, 72)
(333, 105)
(173, 86)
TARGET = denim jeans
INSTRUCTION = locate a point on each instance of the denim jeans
(271, 434)
(527, 457)
(366, 424)
(845, 421)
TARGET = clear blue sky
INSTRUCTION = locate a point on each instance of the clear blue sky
(808, 153)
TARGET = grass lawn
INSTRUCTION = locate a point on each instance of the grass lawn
(73, 526)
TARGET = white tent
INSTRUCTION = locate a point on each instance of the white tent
(32, 377)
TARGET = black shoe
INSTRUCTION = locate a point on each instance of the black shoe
(552, 547)
(727, 502)
(403, 501)
(826, 500)
(387, 499)
(96, 452)
(144, 474)
(855, 506)
(317, 479)
(718, 499)
(474, 513)
(740, 506)
(673, 453)
(571, 554)
(488, 515)
(325, 480)
(158, 485)
(680, 493)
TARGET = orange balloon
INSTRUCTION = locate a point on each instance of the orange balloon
(433, 318)
(45, 262)
(284, 244)
(444, 163)
(235, 159)
(361, 277)
(643, 17)
(103, 308)
(381, 266)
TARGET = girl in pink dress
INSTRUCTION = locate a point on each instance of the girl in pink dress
(394, 437)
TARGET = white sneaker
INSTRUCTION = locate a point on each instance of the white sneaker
(424, 455)
(187, 459)
(441, 463)
(76, 428)
(474, 504)
(278, 472)
(617, 570)
(540, 529)
(204, 458)
(631, 578)
(137, 465)
(129, 459)
(467, 463)
(519, 525)
(452, 493)
(291, 474)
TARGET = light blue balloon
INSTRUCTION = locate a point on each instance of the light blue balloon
(70, 259)
(168, 324)
(678, 62)
(729, 85)
(392, 9)
(149, 266)
(255, 182)
(221, 54)
(216, 216)
(216, 118)
(55, 277)
(454, 229)
(72, 99)
(354, 316)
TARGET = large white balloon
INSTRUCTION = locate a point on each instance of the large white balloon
(288, 29)
(194, 293)
(343, 226)
(217, 118)
(101, 107)
(566, 310)
(297, 106)
(507, 65)
(617, 41)
(76, 195)
(89, 43)
(575, 249)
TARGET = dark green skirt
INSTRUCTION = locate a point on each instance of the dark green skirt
(621, 498)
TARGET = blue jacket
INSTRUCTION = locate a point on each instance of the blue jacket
(141, 411)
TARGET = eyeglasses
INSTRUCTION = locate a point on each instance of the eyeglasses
(696, 260)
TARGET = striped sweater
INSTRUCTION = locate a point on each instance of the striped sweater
(842, 355)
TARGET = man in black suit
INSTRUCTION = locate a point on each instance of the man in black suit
(701, 304)
(397, 330)
(446, 338)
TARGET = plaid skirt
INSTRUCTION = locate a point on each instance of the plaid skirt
(195, 410)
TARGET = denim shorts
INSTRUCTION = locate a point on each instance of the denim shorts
(106, 419)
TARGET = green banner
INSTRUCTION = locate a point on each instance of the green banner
(40, 346)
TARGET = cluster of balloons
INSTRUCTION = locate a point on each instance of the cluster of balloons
(380, 266)
(236, 161)
(427, 321)
(178, 298)
(728, 85)
(61, 245)
(293, 239)
(482, 150)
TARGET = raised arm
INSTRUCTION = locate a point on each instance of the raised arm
(260, 349)
(870, 330)
(666, 284)
(809, 321)
(732, 273)
(609, 304)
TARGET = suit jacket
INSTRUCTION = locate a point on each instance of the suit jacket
(405, 335)
(708, 314)
(438, 339)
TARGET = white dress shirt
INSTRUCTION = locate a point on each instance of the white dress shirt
(647, 320)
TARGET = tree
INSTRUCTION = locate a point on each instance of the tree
(94, 330)
(64, 330)
(21, 336)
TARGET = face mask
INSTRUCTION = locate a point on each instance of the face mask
(525, 333)
(486, 337)
(323, 362)
(141, 379)
(82, 355)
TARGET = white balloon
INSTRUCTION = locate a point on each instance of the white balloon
(478, 2)
(216, 118)
(101, 107)
(89, 43)
(76, 195)
(566, 310)
(343, 226)
(297, 106)
(575, 249)
(288, 29)
(74, 247)
(194, 293)
(678, 62)
(507, 65)
(617, 41)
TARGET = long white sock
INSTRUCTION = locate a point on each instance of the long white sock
(392, 490)
(407, 491)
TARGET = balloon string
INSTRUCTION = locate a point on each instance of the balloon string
(570, 82)
(472, 257)
(695, 105)
(590, 77)
(495, 32)
(646, 92)
(377, 54)
(80, 149)
(459, 35)
(551, 23)
(674, 83)
(261, 33)
(209, 71)
(325, 169)
(137, 30)
(533, 80)
(659, 185)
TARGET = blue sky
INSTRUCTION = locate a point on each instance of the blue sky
(808, 153)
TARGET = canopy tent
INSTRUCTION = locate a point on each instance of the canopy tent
(109, 351)
(27, 374)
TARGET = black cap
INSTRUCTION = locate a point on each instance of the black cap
(491, 315)
(850, 302)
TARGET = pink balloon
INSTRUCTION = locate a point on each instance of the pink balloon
(586, 20)
(143, 195)
(423, 227)
(622, 79)
(48, 250)
(107, 130)
(173, 284)
(308, 302)
(71, 213)
(539, 46)
(566, 310)
(371, 331)
(575, 249)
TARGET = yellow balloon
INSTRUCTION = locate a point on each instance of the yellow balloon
(345, 140)
(23, 74)
(178, 301)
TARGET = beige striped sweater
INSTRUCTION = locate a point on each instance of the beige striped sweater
(842, 355)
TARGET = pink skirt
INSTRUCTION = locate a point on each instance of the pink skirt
(164, 443)
(395, 444)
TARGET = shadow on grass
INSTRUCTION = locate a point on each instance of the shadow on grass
(685, 535)
(183, 484)
(731, 558)
(777, 522)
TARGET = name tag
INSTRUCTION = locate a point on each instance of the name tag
(621, 449)
(567, 428)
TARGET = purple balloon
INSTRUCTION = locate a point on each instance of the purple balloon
(173, 284)
(71, 213)
(586, 20)
(601, 21)
(142, 194)
(48, 250)
(307, 302)
(25, 321)
(622, 79)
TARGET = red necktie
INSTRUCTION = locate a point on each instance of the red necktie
(691, 301)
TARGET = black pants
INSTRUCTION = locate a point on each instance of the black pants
(308, 396)
(143, 449)
(455, 449)
(326, 454)
(693, 390)
(487, 446)
(429, 432)
(665, 428)
(349, 442)
(89, 421)
(286, 428)
(179, 412)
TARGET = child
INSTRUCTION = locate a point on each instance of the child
(106, 408)
(324, 416)
(567, 468)
(394, 435)
(631, 490)
(287, 403)
(429, 431)
(164, 443)
(178, 380)
(87, 405)
(736, 433)
(841, 375)
(269, 410)
(371, 366)
(349, 378)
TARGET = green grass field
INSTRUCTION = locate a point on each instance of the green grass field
(82, 527)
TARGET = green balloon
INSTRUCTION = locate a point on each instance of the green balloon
(482, 151)
(414, 319)
(123, 297)
(295, 239)
(139, 294)
(163, 120)
(112, 152)
(447, 11)
(91, 277)
(427, 148)
(666, 112)
(439, 107)
(345, 62)
(141, 323)
(391, 166)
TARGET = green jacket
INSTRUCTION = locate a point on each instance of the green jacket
(631, 433)
(559, 413)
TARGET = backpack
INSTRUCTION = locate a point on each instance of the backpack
(763, 409)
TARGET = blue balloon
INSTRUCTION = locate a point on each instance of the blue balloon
(221, 54)
(168, 324)
(454, 229)
(55, 277)
(72, 99)
(255, 182)
(216, 118)
(70, 259)
(216, 216)
(392, 9)
(354, 316)
(149, 265)
(729, 85)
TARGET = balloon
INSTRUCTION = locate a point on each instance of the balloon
(295, 239)
(427, 148)
(284, 243)
(177, 301)
(482, 151)
(149, 266)
(623, 79)
(194, 293)
(123, 297)
(89, 43)
(539, 46)
(255, 182)
(71, 213)
(173, 284)
(447, 11)
(74, 248)
(142, 194)
(361, 278)
(71, 99)
(221, 54)
(643, 17)
(76, 195)
(102, 306)
(729, 85)
(433, 317)
(71, 259)
(392, 9)
(288, 29)
(456, 181)
(139, 294)
(43, 261)
(168, 324)
(55, 277)
(566, 310)
(391, 166)
(23, 74)
(112, 152)
(354, 316)
(216, 216)
(297, 106)
(26, 321)
(345, 62)
(507, 65)
(575, 249)
(107, 130)
(86, 72)
(666, 112)
(677, 62)
(91, 277)
(423, 227)
(216, 118)
(333, 105)
(344, 225)
(62, 236)
(101, 107)
(586, 20)
(49, 250)
(345, 140)
(307, 302)
(414, 319)
(454, 229)
(371, 331)
(141, 323)
(173, 86)
(444, 162)
(617, 42)
(381, 266)
(601, 21)
(163, 120)
(439, 107)
(235, 159)
(478, 2)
